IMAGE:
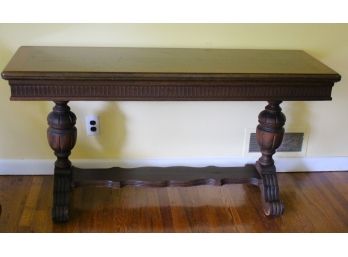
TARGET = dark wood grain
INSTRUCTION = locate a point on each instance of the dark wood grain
(269, 135)
(94, 73)
(61, 135)
(316, 202)
(61, 74)
(164, 177)
(113, 62)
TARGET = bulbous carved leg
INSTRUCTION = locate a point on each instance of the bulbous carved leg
(269, 134)
(61, 135)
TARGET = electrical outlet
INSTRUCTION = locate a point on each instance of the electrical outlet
(92, 125)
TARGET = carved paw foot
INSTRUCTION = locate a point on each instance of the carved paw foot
(272, 205)
(61, 197)
(272, 209)
(270, 187)
(60, 214)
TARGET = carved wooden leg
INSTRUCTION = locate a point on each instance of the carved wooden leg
(269, 134)
(61, 135)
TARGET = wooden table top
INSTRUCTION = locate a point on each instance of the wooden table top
(86, 62)
(111, 73)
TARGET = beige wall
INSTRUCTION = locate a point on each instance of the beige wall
(169, 129)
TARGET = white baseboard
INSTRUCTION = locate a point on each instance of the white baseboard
(295, 164)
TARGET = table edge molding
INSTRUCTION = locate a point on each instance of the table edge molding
(163, 90)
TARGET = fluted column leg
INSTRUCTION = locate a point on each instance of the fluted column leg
(61, 135)
(269, 134)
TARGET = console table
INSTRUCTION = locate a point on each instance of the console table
(63, 74)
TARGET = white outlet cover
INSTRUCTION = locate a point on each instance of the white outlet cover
(88, 125)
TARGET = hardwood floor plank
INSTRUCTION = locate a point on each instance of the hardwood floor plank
(315, 202)
(14, 191)
(30, 203)
(178, 213)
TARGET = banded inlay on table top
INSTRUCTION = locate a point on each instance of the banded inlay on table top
(110, 73)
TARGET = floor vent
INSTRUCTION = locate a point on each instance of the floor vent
(292, 142)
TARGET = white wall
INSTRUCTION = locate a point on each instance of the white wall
(140, 130)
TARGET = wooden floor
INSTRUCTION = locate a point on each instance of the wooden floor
(315, 202)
